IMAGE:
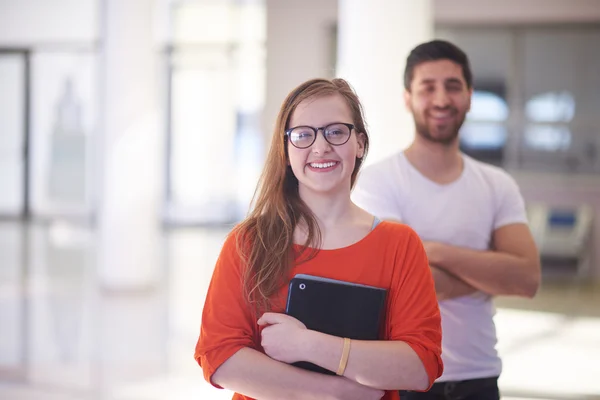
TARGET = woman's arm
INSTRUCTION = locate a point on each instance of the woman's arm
(409, 359)
(256, 375)
(386, 365)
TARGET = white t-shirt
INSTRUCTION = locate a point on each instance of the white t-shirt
(463, 213)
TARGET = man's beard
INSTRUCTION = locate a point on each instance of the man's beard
(424, 131)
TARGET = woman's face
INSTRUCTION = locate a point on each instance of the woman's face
(325, 166)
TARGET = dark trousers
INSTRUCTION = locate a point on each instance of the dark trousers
(474, 389)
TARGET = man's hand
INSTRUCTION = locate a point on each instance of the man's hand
(448, 286)
(433, 250)
(283, 337)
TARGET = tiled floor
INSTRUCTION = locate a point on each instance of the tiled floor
(64, 335)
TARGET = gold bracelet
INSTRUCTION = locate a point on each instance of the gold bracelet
(344, 359)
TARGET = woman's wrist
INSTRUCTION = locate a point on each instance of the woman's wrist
(322, 349)
(307, 345)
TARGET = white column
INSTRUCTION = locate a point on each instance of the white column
(374, 39)
(299, 48)
(130, 148)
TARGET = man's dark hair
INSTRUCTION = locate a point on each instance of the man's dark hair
(433, 51)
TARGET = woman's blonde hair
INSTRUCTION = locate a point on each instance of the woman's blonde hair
(265, 238)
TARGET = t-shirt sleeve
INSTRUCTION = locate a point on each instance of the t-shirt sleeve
(228, 324)
(414, 312)
(511, 206)
(373, 193)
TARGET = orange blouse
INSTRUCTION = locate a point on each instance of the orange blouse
(391, 256)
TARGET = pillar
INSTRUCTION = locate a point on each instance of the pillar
(374, 39)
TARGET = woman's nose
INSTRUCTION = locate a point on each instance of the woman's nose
(321, 146)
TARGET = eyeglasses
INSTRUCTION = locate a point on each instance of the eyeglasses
(335, 134)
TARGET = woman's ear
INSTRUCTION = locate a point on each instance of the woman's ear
(361, 139)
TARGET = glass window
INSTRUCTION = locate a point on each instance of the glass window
(551, 107)
(484, 133)
(217, 75)
(537, 96)
(547, 137)
(547, 109)
(560, 99)
(64, 106)
(12, 133)
(487, 106)
(484, 126)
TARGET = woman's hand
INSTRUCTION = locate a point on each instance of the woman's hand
(283, 339)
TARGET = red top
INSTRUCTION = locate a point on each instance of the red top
(391, 256)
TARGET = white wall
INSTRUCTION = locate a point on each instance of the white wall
(298, 48)
(39, 22)
(516, 11)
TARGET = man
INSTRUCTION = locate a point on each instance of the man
(470, 216)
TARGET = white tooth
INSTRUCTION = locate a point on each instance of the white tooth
(322, 165)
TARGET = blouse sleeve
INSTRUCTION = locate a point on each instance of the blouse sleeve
(228, 324)
(414, 311)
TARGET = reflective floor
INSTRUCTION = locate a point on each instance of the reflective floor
(65, 334)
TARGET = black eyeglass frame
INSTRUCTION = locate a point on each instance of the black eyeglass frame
(316, 131)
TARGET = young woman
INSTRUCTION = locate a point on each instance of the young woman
(303, 221)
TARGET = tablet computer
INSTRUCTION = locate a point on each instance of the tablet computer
(339, 308)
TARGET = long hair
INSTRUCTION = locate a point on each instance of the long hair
(265, 238)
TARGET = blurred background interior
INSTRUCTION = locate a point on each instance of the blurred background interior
(132, 133)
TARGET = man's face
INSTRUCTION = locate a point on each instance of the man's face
(439, 100)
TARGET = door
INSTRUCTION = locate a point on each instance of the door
(13, 133)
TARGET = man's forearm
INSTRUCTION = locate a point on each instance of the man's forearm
(386, 365)
(492, 272)
(448, 286)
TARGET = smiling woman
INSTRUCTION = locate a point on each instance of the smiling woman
(304, 222)
(336, 151)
